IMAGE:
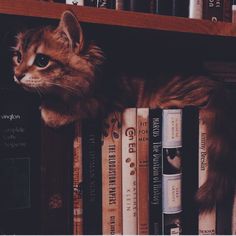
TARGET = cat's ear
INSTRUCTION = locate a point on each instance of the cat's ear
(71, 27)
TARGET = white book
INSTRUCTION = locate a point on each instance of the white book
(75, 2)
(129, 188)
(207, 221)
(195, 9)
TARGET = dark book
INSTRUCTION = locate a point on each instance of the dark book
(213, 10)
(164, 7)
(172, 171)
(92, 177)
(190, 169)
(155, 171)
(111, 4)
(90, 3)
(180, 8)
(57, 180)
(227, 10)
(139, 5)
(19, 162)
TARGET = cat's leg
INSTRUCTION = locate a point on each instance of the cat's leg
(55, 119)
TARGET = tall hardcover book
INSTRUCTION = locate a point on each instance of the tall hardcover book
(77, 182)
(129, 171)
(172, 171)
(190, 169)
(207, 220)
(195, 9)
(213, 10)
(111, 176)
(92, 176)
(155, 171)
(20, 150)
(57, 180)
(142, 171)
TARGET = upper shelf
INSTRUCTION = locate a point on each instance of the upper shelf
(118, 18)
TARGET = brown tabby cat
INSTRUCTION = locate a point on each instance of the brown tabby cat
(67, 72)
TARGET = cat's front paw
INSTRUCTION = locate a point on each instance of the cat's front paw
(54, 119)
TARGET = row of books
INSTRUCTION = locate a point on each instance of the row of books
(141, 174)
(214, 10)
(55, 182)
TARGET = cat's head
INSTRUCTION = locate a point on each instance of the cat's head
(55, 60)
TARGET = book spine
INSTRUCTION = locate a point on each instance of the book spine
(142, 171)
(234, 215)
(139, 5)
(129, 188)
(213, 10)
(180, 8)
(111, 4)
(155, 171)
(172, 171)
(234, 12)
(90, 3)
(120, 5)
(207, 220)
(195, 9)
(227, 11)
(190, 169)
(75, 2)
(57, 180)
(164, 7)
(92, 177)
(77, 182)
(111, 176)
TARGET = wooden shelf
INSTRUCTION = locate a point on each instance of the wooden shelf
(118, 18)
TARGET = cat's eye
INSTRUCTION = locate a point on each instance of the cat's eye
(17, 56)
(41, 60)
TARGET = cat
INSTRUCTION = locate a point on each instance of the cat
(68, 73)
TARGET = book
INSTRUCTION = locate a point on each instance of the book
(195, 9)
(190, 169)
(57, 180)
(213, 10)
(142, 171)
(120, 5)
(20, 153)
(111, 176)
(155, 171)
(172, 171)
(92, 176)
(139, 5)
(129, 171)
(180, 8)
(233, 229)
(75, 2)
(164, 7)
(111, 4)
(77, 181)
(227, 10)
(207, 220)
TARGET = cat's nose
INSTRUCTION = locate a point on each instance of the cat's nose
(19, 77)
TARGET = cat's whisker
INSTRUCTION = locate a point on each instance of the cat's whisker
(69, 89)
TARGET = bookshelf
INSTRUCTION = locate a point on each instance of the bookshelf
(139, 42)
